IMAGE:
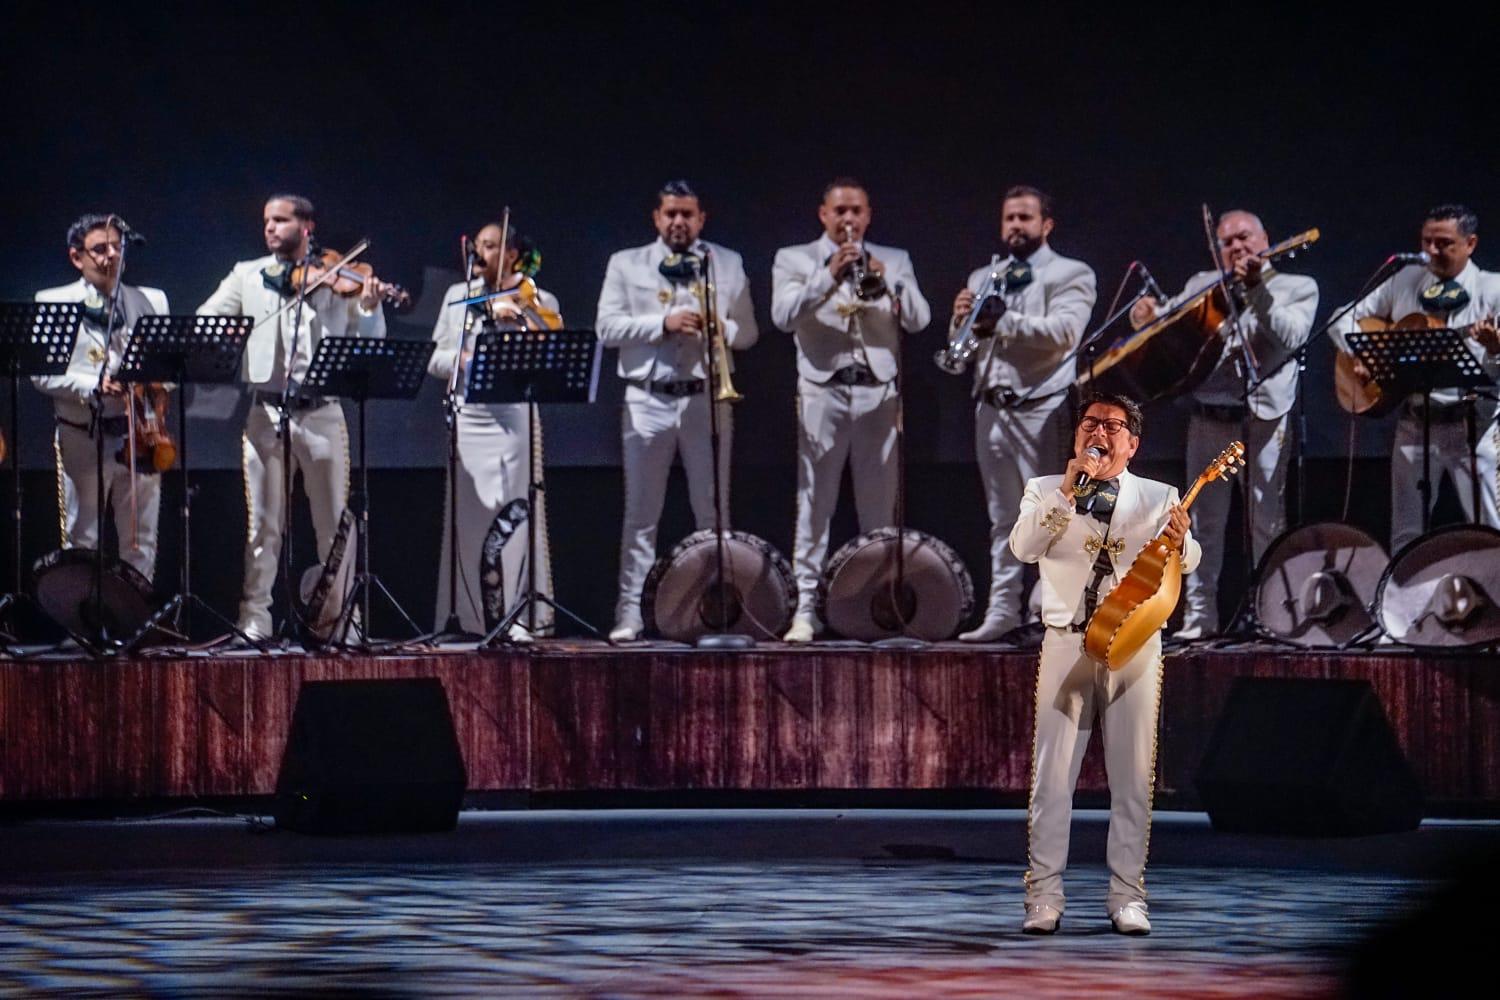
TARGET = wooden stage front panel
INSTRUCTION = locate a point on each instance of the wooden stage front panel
(579, 718)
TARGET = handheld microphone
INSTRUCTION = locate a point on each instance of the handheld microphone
(1081, 484)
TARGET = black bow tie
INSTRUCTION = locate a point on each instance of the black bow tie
(278, 278)
(680, 268)
(1099, 499)
(96, 312)
(1447, 297)
(1017, 276)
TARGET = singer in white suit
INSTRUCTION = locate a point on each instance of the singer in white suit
(1083, 541)
(847, 354)
(1452, 288)
(94, 248)
(650, 309)
(1021, 378)
(493, 445)
(1275, 319)
(279, 350)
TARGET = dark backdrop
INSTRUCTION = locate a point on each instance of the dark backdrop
(412, 124)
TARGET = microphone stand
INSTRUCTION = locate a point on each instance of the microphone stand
(1090, 340)
(721, 639)
(453, 630)
(285, 423)
(898, 583)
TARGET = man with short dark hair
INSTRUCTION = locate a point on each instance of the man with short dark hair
(279, 350)
(650, 308)
(1453, 290)
(1021, 383)
(1275, 319)
(1084, 540)
(95, 249)
(848, 344)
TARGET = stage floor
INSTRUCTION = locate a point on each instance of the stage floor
(643, 904)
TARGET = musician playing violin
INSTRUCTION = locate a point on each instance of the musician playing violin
(1450, 290)
(95, 250)
(278, 352)
(1275, 313)
(1084, 529)
(492, 460)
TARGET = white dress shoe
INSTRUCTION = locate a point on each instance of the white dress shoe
(519, 634)
(1041, 919)
(1131, 919)
(804, 627)
(625, 632)
(990, 630)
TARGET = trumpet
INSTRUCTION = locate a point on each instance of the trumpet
(867, 284)
(954, 358)
(713, 336)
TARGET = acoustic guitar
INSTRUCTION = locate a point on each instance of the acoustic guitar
(1360, 394)
(1145, 598)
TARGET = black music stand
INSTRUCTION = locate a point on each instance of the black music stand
(366, 368)
(186, 350)
(36, 338)
(1406, 361)
(533, 367)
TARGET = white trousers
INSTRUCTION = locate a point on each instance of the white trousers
(1071, 691)
(655, 429)
(320, 450)
(838, 424)
(1267, 451)
(78, 498)
(491, 472)
(1013, 446)
(1450, 454)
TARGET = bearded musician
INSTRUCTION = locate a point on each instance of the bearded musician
(278, 352)
(95, 249)
(494, 439)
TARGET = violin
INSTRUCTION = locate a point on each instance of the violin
(1142, 602)
(534, 315)
(345, 279)
(149, 444)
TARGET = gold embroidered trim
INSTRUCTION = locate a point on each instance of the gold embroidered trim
(1056, 520)
(1151, 784)
(1036, 723)
(1094, 543)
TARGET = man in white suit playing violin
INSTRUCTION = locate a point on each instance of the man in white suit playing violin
(279, 350)
(1084, 529)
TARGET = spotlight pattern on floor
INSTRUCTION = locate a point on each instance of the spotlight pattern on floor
(674, 929)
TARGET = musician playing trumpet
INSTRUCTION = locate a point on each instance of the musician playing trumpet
(651, 308)
(847, 302)
(1033, 305)
(1275, 318)
(1451, 289)
(1084, 529)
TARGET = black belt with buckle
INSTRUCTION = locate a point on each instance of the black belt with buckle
(297, 402)
(1223, 414)
(853, 375)
(674, 390)
(1002, 398)
(1438, 413)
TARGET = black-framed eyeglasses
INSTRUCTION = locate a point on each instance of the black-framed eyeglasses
(102, 249)
(1111, 425)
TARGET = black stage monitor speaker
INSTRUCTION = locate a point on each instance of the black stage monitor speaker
(1313, 758)
(371, 757)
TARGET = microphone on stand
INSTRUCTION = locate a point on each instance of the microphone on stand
(1402, 259)
(1151, 285)
(1081, 484)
